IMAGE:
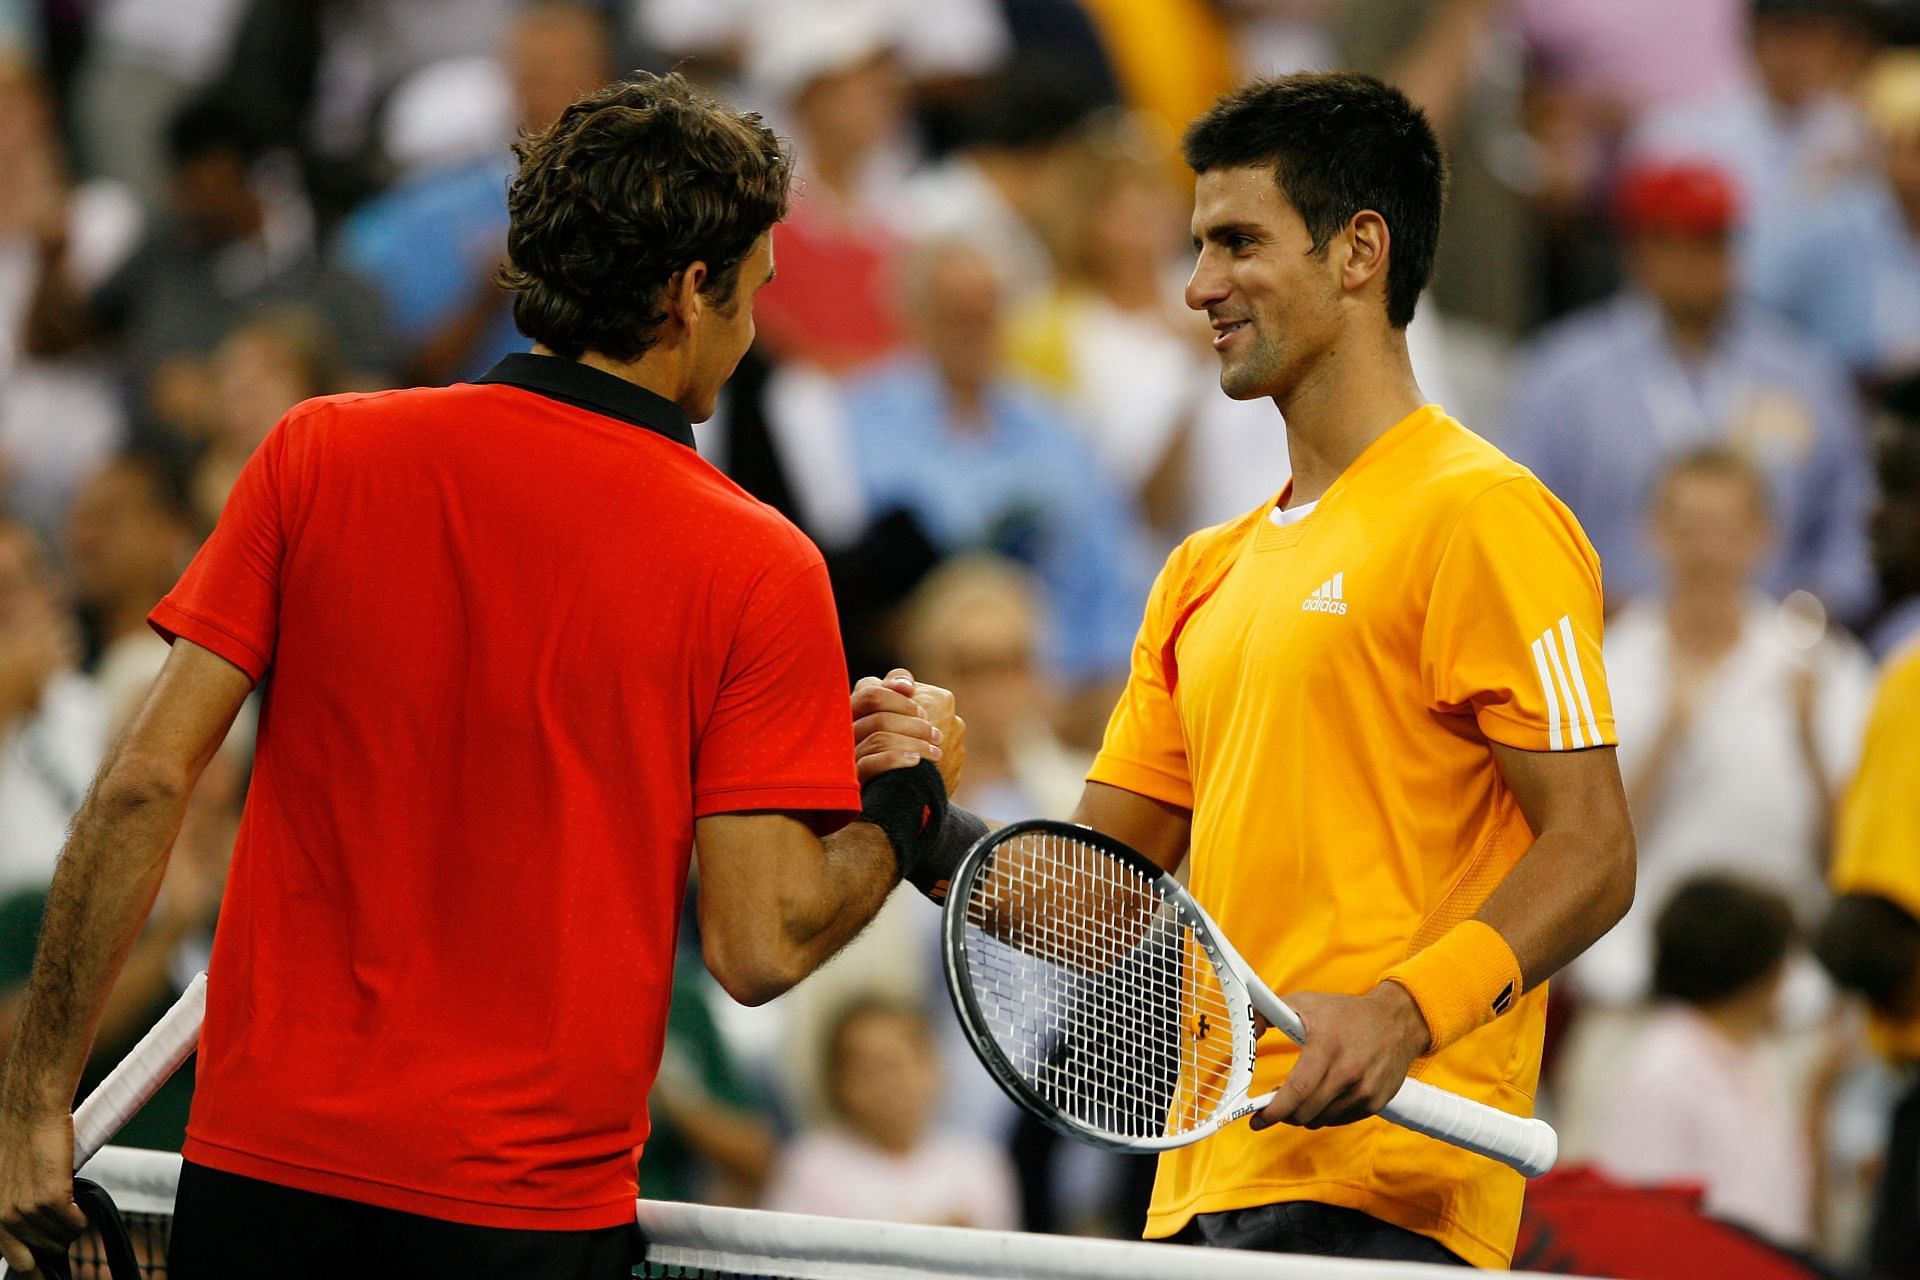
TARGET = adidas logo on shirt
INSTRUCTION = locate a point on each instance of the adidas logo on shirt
(1329, 598)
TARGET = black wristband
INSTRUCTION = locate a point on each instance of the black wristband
(960, 832)
(910, 805)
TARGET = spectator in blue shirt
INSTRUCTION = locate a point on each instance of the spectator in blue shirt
(982, 462)
(432, 242)
(1848, 272)
(1671, 364)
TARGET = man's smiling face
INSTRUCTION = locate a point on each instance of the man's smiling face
(1272, 301)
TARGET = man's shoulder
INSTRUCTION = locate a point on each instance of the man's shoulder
(1463, 485)
(1207, 545)
(763, 525)
(347, 410)
(1455, 468)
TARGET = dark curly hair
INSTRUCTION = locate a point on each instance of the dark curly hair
(629, 186)
(1338, 142)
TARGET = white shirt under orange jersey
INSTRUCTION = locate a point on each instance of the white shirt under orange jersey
(1322, 695)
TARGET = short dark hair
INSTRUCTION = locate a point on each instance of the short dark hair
(1034, 103)
(1855, 12)
(1338, 143)
(209, 125)
(630, 185)
(1716, 937)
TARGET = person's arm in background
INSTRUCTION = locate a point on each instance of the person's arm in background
(38, 203)
(36, 643)
(109, 873)
(740, 1144)
(1828, 552)
(58, 319)
(1437, 67)
(1094, 567)
(1647, 784)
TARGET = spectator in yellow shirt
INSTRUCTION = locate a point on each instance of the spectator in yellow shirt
(1871, 938)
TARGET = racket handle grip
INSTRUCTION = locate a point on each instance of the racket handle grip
(1527, 1145)
(145, 1068)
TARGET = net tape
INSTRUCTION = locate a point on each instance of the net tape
(688, 1240)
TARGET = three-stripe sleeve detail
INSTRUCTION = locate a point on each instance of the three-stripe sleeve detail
(1554, 742)
(1570, 718)
(1579, 681)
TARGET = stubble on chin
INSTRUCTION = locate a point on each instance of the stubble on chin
(1248, 378)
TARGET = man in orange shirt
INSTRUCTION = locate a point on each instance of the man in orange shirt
(1370, 716)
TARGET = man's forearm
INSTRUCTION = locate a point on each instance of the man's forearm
(103, 888)
(858, 871)
(1569, 888)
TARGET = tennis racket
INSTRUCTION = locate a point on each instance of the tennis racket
(139, 1075)
(1108, 1005)
(116, 1100)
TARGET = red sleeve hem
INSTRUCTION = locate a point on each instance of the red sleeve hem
(174, 623)
(835, 798)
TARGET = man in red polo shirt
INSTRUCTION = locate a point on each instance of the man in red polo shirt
(520, 648)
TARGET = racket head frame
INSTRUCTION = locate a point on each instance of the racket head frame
(975, 1022)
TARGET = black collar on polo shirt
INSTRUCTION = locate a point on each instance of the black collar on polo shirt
(585, 387)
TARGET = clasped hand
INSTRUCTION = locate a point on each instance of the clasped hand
(1357, 1055)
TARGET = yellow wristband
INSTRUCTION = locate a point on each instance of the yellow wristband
(1465, 979)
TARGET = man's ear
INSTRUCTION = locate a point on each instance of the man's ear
(1367, 241)
(685, 301)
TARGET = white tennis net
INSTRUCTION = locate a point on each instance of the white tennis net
(700, 1242)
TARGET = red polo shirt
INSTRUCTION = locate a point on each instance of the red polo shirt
(513, 638)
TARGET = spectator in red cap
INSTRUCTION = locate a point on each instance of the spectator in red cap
(1673, 363)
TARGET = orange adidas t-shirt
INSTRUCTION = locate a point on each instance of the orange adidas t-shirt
(1321, 695)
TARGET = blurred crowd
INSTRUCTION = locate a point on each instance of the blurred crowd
(1680, 279)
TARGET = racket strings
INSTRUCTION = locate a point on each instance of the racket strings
(1095, 990)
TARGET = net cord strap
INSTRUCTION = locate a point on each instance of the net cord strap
(802, 1247)
(749, 1242)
